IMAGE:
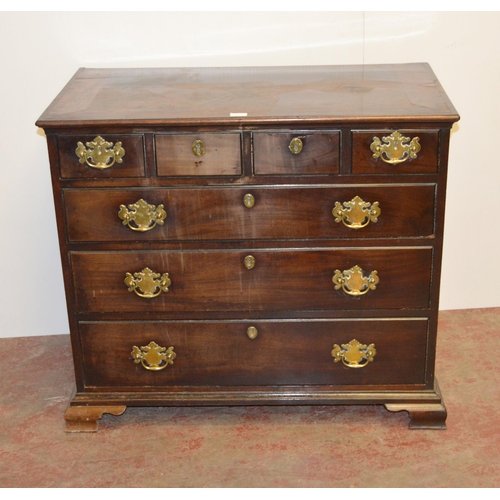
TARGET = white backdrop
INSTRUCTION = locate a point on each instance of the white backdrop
(41, 51)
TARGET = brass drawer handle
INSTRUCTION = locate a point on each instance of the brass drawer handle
(141, 216)
(296, 145)
(354, 282)
(252, 332)
(248, 200)
(354, 354)
(198, 148)
(147, 284)
(153, 357)
(395, 148)
(249, 261)
(356, 213)
(100, 154)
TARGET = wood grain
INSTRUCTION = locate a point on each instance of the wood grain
(174, 155)
(281, 280)
(278, 213)
(319, 155)
(284, 353)
(364, 163)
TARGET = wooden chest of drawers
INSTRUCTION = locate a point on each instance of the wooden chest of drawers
(241, 236)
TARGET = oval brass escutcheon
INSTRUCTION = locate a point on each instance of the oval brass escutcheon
(141, 216)
(100, 154)
(354, 282)
(395, 148)
(357, 213)
(249, 261)
(198, 148)
(147, 283)
(296, 145)
(252, 332)
(354, 354)
(248, 200)
(153, 357)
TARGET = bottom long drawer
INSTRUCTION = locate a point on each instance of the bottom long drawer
(158, 354)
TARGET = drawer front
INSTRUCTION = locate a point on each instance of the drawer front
(278, 280)
(198, 154)
(281, 353)
(300, 153)
(396, 150)
(221, 214)
(101, 156)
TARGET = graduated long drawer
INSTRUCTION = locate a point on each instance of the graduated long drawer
(276, 280)
(121, 354)
(250, 212)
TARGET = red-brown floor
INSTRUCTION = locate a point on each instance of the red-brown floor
(358, 446)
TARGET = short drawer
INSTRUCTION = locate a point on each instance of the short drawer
(395, 151)
(252, 280)
(298, 153)
(251, 213)
(106, 155)
(253, 353)
(198, 154)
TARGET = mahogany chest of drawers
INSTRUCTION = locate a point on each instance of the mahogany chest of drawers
(248, 236)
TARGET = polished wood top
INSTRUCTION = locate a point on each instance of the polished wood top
(190, 96)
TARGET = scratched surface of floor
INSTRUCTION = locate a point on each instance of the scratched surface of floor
(357, 446)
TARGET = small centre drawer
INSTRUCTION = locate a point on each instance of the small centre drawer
(200, 154)
(297, 153)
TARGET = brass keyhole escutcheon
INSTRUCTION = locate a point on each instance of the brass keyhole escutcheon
(198, 148)
(249, 261)
(248, 200)
(296, 145)
(252, 332)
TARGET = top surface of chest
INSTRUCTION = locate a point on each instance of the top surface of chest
(239, 96)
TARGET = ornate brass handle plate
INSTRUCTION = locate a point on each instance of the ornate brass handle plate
(354, 282)
(153, 357)
(198, 148)
(147, 284)
(100, 154)
(141, 216)
(354, 354)
(296, 145)
(356, 213)
(395, 148)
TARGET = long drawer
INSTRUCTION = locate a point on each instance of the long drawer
(382, 211)
(246, 353)
(252, 280)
